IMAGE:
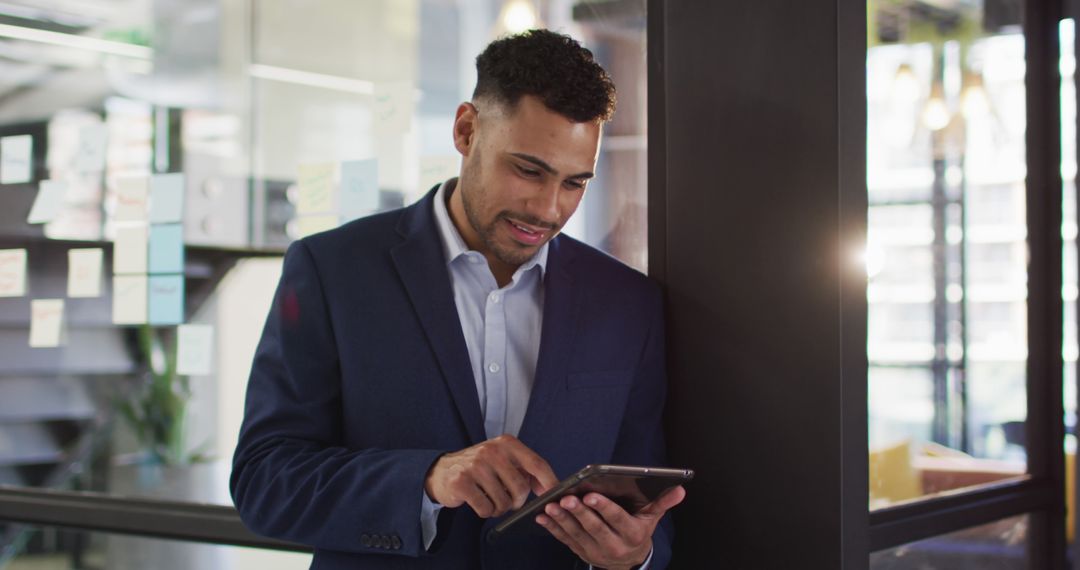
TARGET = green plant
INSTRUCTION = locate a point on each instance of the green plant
(156, 410)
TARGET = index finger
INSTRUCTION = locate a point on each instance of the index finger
(528, 461)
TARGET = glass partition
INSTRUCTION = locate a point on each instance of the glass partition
(947, 247)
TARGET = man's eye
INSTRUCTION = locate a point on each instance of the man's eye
(576, 185)
(528, 172)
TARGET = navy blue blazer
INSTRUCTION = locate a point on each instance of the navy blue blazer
(362, 379)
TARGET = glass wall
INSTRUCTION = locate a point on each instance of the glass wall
(946, 255)
(156, 158)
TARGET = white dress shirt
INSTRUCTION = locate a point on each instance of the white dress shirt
(502, 332)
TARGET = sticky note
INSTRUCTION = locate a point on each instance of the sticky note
(129, 249)
(194, 349)
(46, 322)
(129, 300)
(315, 183)
(393, 107)
(12, 272)
(359, 195)
(166, 248)
(308, 225)
(84, 272)
(48, 203)
(90, 153)
(132, 195)
(166, 298)
(16, 159)
(438, 169)
(166, 198)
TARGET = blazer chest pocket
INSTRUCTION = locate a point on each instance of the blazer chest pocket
(604, 379)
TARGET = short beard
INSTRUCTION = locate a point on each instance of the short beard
(513, 256)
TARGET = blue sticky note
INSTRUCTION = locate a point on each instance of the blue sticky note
(166, 299)
(359, 189)
(166, 198)
(166, 248)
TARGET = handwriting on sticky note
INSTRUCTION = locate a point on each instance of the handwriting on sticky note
(16, 159)
(315, 183)
(166, 299)
(166, 198)
(48, 203)
(359, 194)
(195, 349)
(129, 299)
(130, 249)
(12, 272)
(84, 272)
(46, 322)
(132, 196)
(393, 107)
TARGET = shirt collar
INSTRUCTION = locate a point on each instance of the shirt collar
(454, 245)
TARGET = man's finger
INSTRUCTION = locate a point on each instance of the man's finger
(591, 521)
(669, 499)
(528, 461)
(479, 502)
(560, 535)
(570, 525)
(615, 516)
(492, 486)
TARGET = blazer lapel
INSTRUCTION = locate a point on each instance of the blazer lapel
(557, 334)
(422, 265)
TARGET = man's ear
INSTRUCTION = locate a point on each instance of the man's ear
(465, 128)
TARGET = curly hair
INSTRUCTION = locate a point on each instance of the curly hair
(553, 67)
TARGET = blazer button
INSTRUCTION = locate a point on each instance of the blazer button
(385, 542)
(395, 542)
(365, 540)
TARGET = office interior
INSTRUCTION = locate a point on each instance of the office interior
(863, 216)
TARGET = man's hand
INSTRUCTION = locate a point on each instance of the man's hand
(601, 533)
(492, 477)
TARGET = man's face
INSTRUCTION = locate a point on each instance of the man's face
(523, 174)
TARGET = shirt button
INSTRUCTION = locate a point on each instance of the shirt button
(494, 297)
(494, 368)
(474, 259)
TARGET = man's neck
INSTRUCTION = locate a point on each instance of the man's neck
(455, 206)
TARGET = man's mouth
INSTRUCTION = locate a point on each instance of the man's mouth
(526, 234)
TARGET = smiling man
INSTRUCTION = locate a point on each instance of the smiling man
(423, 370)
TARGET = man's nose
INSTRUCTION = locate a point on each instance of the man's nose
(544, 204)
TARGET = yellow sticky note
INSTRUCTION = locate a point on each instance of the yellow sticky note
(46, 322)
(307, 225)
(315, 183)
(438, 169)
(132, 198)
(393, 107)
(84, 272)
(12, 272)
(130, 249)
(129, 299)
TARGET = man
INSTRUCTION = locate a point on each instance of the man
(423, 370)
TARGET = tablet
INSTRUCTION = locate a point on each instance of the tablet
(631, 487)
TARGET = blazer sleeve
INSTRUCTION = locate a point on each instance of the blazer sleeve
(292, 476)
(641, 436)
